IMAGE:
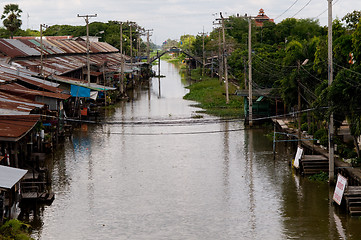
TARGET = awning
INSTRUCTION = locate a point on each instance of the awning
(10, 176)
(77, 91)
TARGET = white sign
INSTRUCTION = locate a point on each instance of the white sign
(298, 157)
(340, 188)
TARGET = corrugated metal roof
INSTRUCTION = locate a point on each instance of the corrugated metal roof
(77, 82)
(23, 75)
(9, 101)
(18, 90)
(30, 46)
(10, 176)
(28, 50)
(65, 64)
(9, 50)
(15, 127)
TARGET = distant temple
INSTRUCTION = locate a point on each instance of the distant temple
(261, 17)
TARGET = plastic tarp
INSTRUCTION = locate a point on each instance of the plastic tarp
(78, 91)
(298, 157)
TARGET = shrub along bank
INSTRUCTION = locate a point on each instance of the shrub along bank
(210, 95)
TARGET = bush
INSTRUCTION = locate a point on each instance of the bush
(321, 134)
(324, 140)
(14, 229)
(304, 127)
(319, 177)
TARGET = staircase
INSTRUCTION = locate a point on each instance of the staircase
(353, 200)
(313, 164)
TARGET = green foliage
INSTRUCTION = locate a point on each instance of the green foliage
(11, 18)
(352, 19)
(356, 162)
(186, 42)
(304, 127)
(14, 229)
(322, 136)
(319, 177)
(210, 94)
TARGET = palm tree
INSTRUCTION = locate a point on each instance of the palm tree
(11, 16)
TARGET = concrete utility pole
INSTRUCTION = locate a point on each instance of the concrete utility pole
(225, 59)
(86, 17)
(330, 80)
(220, 58)
(148, 44)
(250, 92)
(203, 53)
(131, 48)
(42, 49)
(121, 74)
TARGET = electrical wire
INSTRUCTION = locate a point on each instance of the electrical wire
(286, 9)
(173, 133)
(302, 8)
(318, 79)
(348, 69)
(325, 10)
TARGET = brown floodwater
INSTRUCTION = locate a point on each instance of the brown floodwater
(151, 171)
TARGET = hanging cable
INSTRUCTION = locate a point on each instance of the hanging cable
(286, 9)
(302, 8)
(325, 10)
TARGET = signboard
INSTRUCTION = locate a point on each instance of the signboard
(340, 188)
(298, 157)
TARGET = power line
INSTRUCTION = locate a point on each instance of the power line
(287, 9)
(302, 8)
(173, 133)
(325, 10)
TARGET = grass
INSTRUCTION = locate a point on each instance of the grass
(14, 229)
(210, 95)
(319, 177)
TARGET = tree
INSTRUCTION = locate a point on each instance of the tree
(347, 86)
(352, 19)
(11, 16)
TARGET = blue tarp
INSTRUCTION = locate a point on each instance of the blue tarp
(77, 91)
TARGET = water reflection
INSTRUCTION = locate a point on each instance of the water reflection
(147, 181)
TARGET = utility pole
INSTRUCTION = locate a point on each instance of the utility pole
(330, 80)
(131, 50)
(225, 60)
(148, 44)
(250, 93)
(203, 54)
(121, 74)
(220, 58)
(86, 17)
(42, 49)
(299, 104)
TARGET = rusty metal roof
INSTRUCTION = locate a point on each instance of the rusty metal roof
(82, 83)
(10, 73)
(16, 105)
(18, 90)
(14, 127)
(61, 65)
(30, 46)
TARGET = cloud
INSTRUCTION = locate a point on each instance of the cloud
(171, 18)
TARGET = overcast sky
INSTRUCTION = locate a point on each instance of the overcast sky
(172, 18)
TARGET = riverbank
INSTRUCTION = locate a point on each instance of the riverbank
(342, 167)
(210, 95)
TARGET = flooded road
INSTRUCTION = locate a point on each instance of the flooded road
(152, 172)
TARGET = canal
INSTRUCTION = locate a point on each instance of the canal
(155, 170)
